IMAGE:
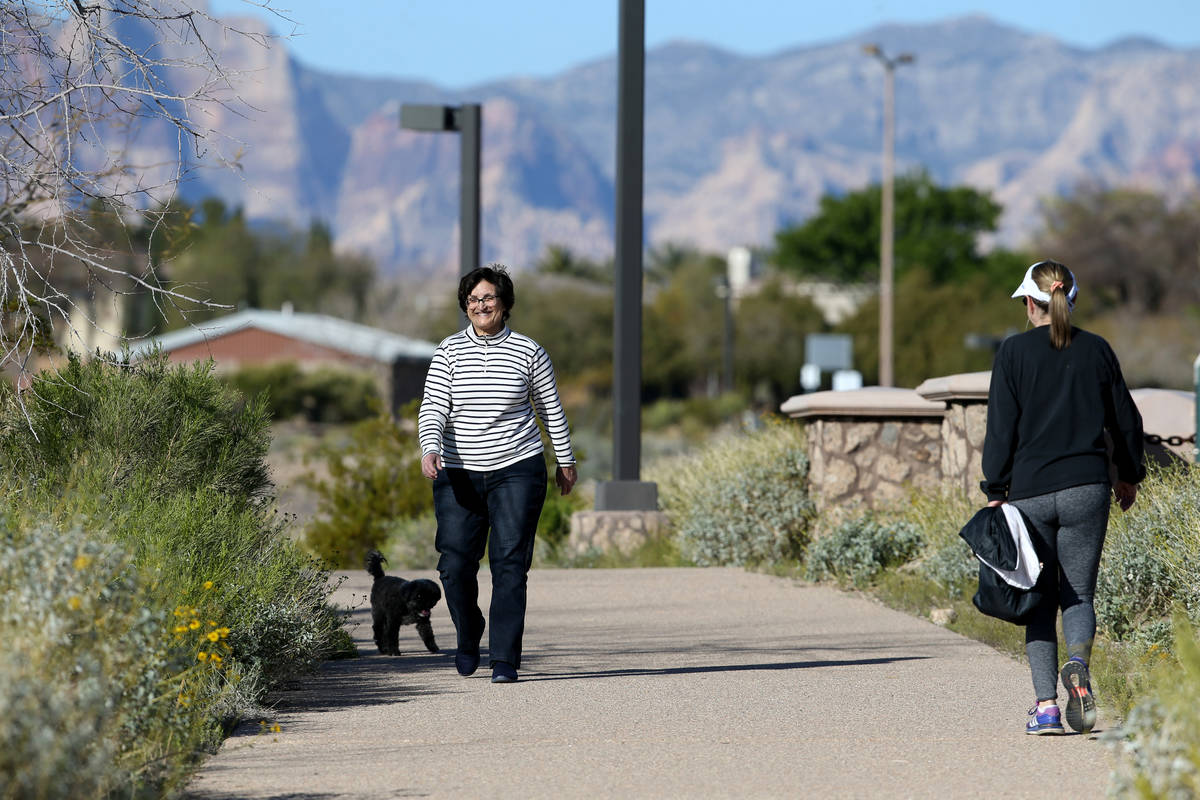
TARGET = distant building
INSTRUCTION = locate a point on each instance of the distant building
(255, 337)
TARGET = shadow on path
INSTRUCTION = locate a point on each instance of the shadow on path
(369, 680)
(624, 673)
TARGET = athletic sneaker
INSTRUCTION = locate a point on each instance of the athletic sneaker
(1044, 720)
(1081, 703)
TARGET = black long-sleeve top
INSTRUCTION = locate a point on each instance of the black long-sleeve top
(1047, 413)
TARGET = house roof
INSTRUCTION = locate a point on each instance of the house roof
(320, 329)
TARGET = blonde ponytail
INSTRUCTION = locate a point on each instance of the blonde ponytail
(1056, 280)
(1060, 319)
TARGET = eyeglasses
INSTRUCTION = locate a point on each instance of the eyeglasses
(479, 301)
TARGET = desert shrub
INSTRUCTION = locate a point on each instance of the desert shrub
(945, 558)
(859, 549)
(408, 542)
(1151, 561)
(174, 424)
(1160, 738)
(163, 467)
(374, 479)
(742, 500)
(101, 689)
(696, 414)
(325, 394)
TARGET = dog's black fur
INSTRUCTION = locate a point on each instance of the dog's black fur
(396, 602)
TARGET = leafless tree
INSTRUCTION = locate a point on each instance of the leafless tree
(102, 108)
(1139, 250)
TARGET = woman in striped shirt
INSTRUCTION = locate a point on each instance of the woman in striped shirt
(480, 445)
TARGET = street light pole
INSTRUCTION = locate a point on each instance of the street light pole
(887, 233)
(467, 119)
(626, 491)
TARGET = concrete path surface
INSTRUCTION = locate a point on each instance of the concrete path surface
(665, 683)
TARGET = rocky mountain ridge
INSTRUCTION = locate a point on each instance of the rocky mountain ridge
(735, 147)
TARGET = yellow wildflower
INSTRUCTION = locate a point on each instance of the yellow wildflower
(216, 659)
(194, 624)
(275, 728)
(82, 561)
(181, 628)
(213, 636)
(208, 584)
(223, 631)
(202, 656)
(212, 624)
(74, 603)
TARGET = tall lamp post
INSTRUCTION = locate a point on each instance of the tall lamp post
(467, 119)
(626, 492)
(887, 235)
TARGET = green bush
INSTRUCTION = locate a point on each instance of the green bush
(742, 500)
(859, 549)
(134, 526)
(696, 414)
(121, 424)
(1160, 739)
(408, 542)
(79, 672)
(945, 559)
(1151, 561)
(326, 394)
(374, 480)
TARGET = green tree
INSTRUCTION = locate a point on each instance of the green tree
(932, 324)
(222, 259)
(683, 329)
(936, 229)
(559, 260)
(771, 326)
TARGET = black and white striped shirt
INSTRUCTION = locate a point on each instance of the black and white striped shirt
(481, 395)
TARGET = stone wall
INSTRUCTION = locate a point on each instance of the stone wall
(608, 531)
(871, 462)
(963, 430)
(869, 445)
(964, 426)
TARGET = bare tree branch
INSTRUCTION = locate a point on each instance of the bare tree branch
(103, 109)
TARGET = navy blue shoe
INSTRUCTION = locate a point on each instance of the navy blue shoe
(1044, 721)
(1081, 703)
(503, 672)
(466, 662)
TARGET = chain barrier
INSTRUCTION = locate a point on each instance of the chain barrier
(1173, 441)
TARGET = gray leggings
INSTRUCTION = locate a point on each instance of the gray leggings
(1070, 524)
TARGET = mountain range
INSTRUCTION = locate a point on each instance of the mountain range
(735, 146)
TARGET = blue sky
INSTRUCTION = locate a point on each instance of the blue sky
(457, 43)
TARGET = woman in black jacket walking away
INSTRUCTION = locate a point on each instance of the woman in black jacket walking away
(1055, 390)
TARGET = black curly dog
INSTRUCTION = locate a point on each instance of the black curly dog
(396, 602)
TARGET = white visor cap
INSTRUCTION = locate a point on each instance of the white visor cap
(1030, 289)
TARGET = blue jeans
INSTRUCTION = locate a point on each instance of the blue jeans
(467, 503)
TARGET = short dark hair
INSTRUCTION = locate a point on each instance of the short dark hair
(496, 275)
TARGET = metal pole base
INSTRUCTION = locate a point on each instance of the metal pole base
(626, 496)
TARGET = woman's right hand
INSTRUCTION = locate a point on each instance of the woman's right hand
(431, 464)
(1126, 493)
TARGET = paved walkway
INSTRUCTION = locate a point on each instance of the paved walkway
(665, 683)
